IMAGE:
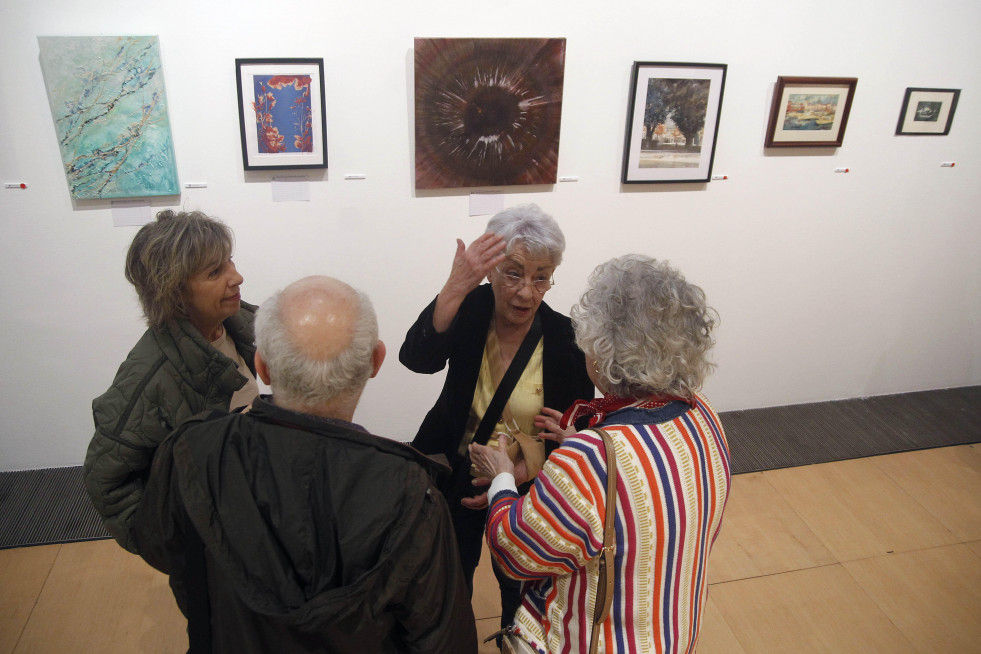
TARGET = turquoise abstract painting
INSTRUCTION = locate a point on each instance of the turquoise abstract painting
(110, 113)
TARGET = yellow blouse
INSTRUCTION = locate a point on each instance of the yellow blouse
(526, 401)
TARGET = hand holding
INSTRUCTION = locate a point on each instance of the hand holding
(519, 470)
(489, 461)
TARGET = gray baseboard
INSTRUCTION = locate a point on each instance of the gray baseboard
(50, 505)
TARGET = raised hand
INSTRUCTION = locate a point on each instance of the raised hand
(470, 266)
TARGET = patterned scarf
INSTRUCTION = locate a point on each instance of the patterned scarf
(598, 409)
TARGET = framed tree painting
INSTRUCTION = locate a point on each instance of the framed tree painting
(809, 111)
(487, 111)
(281, 113)
(672, 122)
(110, 114)
(927, 111)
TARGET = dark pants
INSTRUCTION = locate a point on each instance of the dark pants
(469, 527)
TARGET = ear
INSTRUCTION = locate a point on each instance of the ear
(377, 357)
(261, 368)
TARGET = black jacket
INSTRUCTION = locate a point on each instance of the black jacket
(317, 537)
(563, 367)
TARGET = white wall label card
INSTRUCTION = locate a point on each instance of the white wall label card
(486, 204)
(127, 213)
(291, 189)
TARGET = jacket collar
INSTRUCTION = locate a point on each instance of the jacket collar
(189, 352)
(264, 409)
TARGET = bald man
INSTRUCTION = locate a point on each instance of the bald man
(289, 528)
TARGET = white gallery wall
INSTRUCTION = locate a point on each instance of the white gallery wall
(829, 285)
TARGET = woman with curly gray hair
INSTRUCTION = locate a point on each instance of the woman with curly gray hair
(646, 333)
(197, 354)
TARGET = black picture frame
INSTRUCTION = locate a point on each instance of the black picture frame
(264, 147)
(673, 116)
(927, 112)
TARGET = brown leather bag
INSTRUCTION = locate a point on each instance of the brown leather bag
(604, 586)
(531, 448)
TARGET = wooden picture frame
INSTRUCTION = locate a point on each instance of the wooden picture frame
(810, 111)
(927, 112)
(281, 113)
(672, 122)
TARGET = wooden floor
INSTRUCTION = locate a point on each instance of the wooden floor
(870, 555)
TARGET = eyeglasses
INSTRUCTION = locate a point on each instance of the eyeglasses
(512, 280)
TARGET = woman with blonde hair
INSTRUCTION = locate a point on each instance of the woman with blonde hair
(197, 354)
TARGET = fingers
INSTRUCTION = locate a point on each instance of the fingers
(472, 264)
(487, 251)
(552, 413)
(477, 502)
(490, 462)
(551, 436)
(489, 241)
(548, 421)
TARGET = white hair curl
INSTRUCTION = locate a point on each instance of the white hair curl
(647, 329)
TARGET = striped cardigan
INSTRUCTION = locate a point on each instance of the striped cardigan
(671, 492)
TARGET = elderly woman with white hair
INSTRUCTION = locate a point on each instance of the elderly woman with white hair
(513, 364)
(646, 333)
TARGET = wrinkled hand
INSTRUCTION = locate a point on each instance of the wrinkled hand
(547, 423)
(520, 472)
(472, 264)
(491, 461)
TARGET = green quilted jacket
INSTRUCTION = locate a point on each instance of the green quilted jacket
(171, 374)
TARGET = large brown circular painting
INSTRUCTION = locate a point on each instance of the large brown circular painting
(487, 111)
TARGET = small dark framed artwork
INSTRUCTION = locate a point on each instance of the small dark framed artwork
(927, 111)
(810, 111)
(281, 113)
(672, 122)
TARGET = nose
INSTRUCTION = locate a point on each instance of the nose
(236, 279)
(526, 290)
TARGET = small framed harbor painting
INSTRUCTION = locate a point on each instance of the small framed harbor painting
(281, 113)
(810, 111)
(672, 122)
(927, 111)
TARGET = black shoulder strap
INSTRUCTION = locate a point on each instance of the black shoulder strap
(508, 381)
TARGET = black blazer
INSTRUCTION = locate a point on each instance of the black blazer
(426, 351)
